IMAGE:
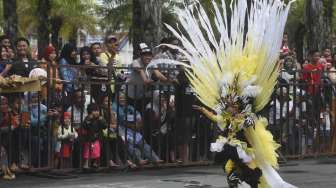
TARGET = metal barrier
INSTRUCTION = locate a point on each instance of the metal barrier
(302, 114)
(139, 124)
(144, 128)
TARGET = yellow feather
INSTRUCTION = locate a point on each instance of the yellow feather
(262, 143)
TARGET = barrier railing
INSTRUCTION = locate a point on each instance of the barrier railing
(135, 124)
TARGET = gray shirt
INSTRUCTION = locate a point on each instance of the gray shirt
(136, 86)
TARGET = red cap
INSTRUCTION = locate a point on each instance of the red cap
(67, 115)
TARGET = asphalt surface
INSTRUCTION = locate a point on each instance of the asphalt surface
(315, 173)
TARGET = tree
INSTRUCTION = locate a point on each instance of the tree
(11, 18)
(67, 17)
(318, 21)
(147, 23)
(43, 9)
(125, 15)
(116, 15)
(296, 28)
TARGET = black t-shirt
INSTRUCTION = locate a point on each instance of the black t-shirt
(22, 68)
(94, 128)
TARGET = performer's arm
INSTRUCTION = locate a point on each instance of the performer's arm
(207, 113)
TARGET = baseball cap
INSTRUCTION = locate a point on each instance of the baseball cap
(144, 49)
(110, 37)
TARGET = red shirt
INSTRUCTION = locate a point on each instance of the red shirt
(312, 75)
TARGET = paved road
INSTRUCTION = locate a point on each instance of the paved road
(305, 174)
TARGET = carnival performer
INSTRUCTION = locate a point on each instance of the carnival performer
(233, 70)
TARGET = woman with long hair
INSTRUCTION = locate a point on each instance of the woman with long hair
(69, 74)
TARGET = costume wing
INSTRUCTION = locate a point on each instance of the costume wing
(249, 45)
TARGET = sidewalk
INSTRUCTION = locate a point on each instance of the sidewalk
(304, 173)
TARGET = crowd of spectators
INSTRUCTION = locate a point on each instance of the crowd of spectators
(302, 113)
(91, 111)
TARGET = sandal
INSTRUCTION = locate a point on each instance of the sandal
(8, 177)
(95, 165)
(113, 164)
(143, 162)
(158, 161)
(24, 167)
(131, 165)
(14, 167)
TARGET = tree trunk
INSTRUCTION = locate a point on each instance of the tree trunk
(43, 26)
(11, 19)
(318, 24)
(147, 23)
(299, 42)
(56, 24)
(73, 37)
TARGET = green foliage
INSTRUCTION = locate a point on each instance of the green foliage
(116, 15)
(74, 13)
(296, 16)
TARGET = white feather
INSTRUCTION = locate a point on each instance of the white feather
(251, 91)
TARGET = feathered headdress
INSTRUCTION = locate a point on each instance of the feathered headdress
(243, 50)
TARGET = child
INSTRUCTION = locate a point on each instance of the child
(93, 125)
(5, 120)
(65, 136)
(7, 174)
(54, 117)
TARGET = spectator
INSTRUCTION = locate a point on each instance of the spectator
(112, 60)
(185, 98)
(5, 41)
(327, 55)
(110, 55)
(297, 120)
(325, 133)
(86, 56)
(96, 50)
(114, 141)
(54, 117)
(169, 71)
(93, 125)
(139, 82)
(8, 174)
(78, 108)
(38, 111)
(38, 117)
(52, 68)
(4, 61)
(66, 136)
(279, 111)
(78, 113)
(94, 75)
(69, 74)
(129, 124)
(23, 63)
(284, 47)
(159, 121)
(312, 73)
(20, 116)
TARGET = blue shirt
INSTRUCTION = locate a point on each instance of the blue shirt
(68, 74)
(126, 115)
(34, 115)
